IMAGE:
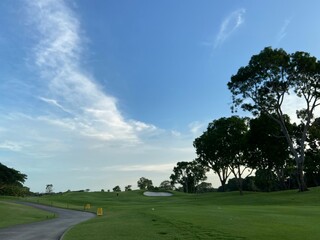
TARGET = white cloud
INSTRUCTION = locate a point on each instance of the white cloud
(229, 25)
(58, 58)
(196, 127)
(176, 133)
(283, 31)
(54, 103)
(12, 146)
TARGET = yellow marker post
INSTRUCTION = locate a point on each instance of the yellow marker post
(99, 212)
(87, 206)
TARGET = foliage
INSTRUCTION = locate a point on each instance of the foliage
(210, 151)
(222, 148)
(262, 87)
(204, 187)
(11, 182)
(266, 180)
(166, 185)
(116, 189)
(128, 188)
(312, 165)
(188, 174)
(49, 188)
(269, 151)
(145, 183)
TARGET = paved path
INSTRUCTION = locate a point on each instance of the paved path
(46, 230)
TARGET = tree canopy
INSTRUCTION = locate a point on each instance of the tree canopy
(188, 174)
(263, 86)
(145, 183)
(11, 181)
(222, 148)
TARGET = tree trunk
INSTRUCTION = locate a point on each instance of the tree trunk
(240, 185)
(222, 181)
(223, 185)
(299, 159)
(300, 177)
(238, 179)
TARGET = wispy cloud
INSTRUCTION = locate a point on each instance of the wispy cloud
(54, 103)
(58, 58)
(196, 127)
(229, 25)
(283, 31)
(12, 146)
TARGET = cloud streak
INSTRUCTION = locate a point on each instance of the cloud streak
(229, 25)
(12, 146)
(58, 59)
(283, 31)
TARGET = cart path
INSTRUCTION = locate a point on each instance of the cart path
(52, 229)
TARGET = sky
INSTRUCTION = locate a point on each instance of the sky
(99, 93)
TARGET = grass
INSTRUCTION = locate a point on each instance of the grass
(13, 214)
(280, 215)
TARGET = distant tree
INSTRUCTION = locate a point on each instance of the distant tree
(204, 187)
(249, 184)
(262, 87)
(116, 189)
(87, 190)
(166, 185)
(144, 183)
(128, 188)
(188, 174)
(49, 188)
(232, 184)
(102, 190)
(266, 180)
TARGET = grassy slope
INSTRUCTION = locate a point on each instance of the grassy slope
(12, 214)
(280, 215)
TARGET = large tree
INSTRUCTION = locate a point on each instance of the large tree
(188, 174)
(264, 85)
(209, 149)
(223, 148)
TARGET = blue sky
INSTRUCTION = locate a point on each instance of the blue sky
(96, 94)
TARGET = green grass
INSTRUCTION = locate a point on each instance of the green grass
(280, 215)
(13, 214)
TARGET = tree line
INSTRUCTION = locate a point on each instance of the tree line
(281, 153)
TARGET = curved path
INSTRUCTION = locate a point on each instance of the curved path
(46, 230)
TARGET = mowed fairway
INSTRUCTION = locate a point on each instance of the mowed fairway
(12, 214)
(281, 215)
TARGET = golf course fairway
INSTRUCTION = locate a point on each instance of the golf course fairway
(131, 215)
